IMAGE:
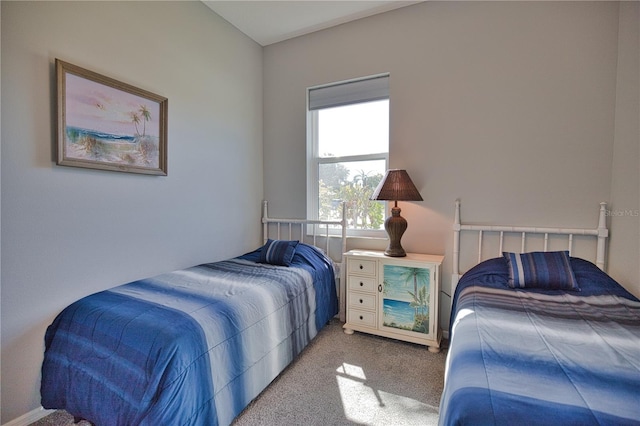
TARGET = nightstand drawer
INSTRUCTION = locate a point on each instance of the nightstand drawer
(361, 283)
(361, 266)
(362, 301)
(358, 317)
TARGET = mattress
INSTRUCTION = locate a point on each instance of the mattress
(541, 357)
(189, 347)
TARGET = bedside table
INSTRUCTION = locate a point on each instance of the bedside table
(394, 297)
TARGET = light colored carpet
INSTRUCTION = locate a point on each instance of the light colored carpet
(344, 379)
(59, 418)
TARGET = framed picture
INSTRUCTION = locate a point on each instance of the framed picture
(109, 125)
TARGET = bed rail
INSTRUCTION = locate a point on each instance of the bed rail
(601, 232)
(317, 233)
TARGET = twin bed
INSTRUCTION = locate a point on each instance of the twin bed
(541, 338)
(194, 346)
(535, 338)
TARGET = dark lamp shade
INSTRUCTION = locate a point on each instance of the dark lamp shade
(396, 186)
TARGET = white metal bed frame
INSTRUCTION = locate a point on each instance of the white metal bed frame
(601, 232)
(295, 228)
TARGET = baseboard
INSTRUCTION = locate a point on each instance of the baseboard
(30, 417)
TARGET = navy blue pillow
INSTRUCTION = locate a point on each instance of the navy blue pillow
(278, 252)
(546, 270)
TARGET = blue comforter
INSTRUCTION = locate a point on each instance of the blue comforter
(190, 347)
(542, 357)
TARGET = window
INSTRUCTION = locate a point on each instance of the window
(348, 151)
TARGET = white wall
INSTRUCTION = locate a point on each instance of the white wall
(625, 184)
(68, 232)
(508, 106)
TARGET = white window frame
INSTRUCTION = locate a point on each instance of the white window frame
(314, 161)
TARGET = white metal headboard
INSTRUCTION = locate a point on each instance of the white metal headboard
(299, 229)
(601, 232)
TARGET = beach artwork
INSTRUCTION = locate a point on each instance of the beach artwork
(106, 124)
(406, 294)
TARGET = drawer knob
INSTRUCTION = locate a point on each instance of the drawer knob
(361, 283)
(360, 300)
(361, 317)
(361, 267)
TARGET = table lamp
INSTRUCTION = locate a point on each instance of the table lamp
(396, 186)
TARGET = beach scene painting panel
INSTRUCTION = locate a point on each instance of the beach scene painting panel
(110, 125)
(406, 298)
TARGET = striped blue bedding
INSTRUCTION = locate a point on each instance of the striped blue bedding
(542, 357)
(190, 347)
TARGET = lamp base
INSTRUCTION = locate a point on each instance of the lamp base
(395, 225)
(395, 252)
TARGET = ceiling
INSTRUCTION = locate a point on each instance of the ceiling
(269, 22)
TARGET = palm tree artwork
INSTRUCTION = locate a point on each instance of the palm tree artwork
(146, 115)
(142, 114)
(406, 298)
(106, 124)
(135, 119)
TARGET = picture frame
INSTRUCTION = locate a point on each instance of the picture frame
(106, 124)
